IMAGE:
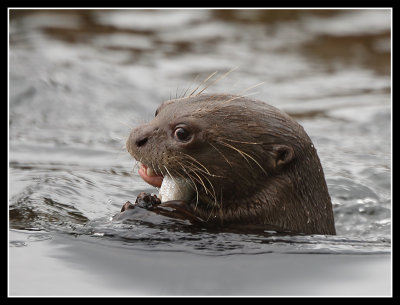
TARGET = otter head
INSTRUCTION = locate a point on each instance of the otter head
(235, 160)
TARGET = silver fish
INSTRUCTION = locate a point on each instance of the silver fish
(174, 189)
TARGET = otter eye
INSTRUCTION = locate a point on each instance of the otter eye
(156, 113)
(182, 134)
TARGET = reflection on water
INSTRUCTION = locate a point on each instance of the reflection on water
(81, 79)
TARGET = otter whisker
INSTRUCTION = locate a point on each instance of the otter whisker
(194, 184)
(243, 142)
(137, 162)
(198, 172)
(159, 170)
(220, 205)
(251, 87)
(203, 184)
(193, 81)
(211, 213)
(195, 160)
(244, 155)
(236, 149)
(123, 148)
(226, 159)
(217, 80)
(192, 165)
(125, 124)
(177, 173)
(135, 167)
(214, 195)
(237, 97)
(172, 177)
(203, 82)
(201, 181)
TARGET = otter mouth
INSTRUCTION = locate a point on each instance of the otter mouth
(150, 176)
(170, 188)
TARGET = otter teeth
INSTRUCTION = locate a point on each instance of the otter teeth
(150, 172)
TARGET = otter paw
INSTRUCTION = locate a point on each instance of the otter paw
(147, 201)
(143, 200)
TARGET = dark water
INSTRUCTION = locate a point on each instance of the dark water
(79, 80)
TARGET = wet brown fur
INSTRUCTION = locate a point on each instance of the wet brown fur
(248, 162)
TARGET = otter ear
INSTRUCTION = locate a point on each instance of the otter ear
(283, 154)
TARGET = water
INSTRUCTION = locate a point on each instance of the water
(79, 80)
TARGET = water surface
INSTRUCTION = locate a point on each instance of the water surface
(79, 80)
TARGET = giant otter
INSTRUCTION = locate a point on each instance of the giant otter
(234, 161)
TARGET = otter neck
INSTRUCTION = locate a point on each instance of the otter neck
(290, 201)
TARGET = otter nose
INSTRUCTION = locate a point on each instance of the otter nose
(141, 141)
(138, 138)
